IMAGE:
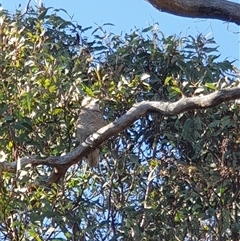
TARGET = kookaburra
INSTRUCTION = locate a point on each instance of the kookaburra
(89, 121)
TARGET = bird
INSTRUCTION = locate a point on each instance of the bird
(90, 120)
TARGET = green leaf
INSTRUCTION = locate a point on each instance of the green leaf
(176, 89)
(167, 80)
(147, 29)
(187, 127)
(28, 96)
(211, 86)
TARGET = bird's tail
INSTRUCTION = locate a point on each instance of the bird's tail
(93, 158)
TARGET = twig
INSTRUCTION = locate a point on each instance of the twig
(26, 9)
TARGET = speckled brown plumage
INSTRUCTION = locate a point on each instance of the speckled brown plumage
(89, 121)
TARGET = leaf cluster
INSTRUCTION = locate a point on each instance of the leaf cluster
(164, 178)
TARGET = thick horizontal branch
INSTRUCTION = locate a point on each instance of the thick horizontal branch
(62, 163)
(214, 9)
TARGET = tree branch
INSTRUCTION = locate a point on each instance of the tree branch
(60, 164)
(214, 9)
(26, 9)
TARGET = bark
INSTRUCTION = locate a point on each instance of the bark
(62, 163)
(214, 9)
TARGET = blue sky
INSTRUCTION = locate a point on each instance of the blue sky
(128, 14)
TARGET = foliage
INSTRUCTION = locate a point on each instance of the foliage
(164, 178)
